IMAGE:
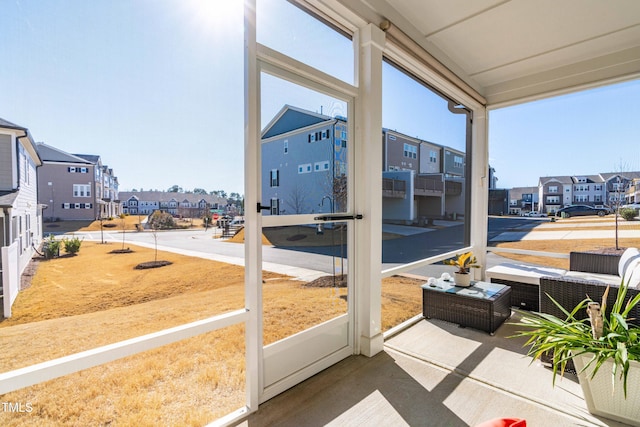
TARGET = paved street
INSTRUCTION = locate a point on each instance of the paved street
(308, 262)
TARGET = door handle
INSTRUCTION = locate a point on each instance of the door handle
(263, 208)
(337, 217)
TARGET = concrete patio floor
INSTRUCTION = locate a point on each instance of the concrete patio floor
(433, 374)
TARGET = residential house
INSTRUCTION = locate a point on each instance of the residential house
(20, 214)
(632, 195)
(313, 178)
(76, 186)
(523, 200)
(186, 205)
(608, 188)
(617, 184)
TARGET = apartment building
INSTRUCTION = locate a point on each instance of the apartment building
(187, 205)
(20, 213)
(303, 150)
(76, 186)
(304, 157)
(608, 188)
(523, 200)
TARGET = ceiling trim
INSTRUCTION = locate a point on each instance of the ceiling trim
(395, 35)
(604, 70)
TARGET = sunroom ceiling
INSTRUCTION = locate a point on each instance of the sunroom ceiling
(511, 50)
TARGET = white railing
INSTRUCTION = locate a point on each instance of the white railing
(41, 372)
(423, 262)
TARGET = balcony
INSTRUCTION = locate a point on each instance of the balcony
(428, 186)
(394, 188)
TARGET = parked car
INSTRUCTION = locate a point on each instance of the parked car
(635, 206)
(605, 207)
(581, 210)
(536, 214)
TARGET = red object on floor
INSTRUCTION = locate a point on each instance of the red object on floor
(504, 422)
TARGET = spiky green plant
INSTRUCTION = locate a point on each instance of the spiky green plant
(619, 342)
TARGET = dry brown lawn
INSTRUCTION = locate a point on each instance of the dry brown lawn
(97, 298)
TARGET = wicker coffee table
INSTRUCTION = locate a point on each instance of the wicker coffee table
(483, 305)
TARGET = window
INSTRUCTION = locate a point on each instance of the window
(275, 178)
(81, 190)
(71, 169)
(321, 166)
(275, 207)
(433, 156)
(305, 168)
(286, 146)
(410, 151)
(458, 161)
(581, 198)
(553, 200)
(312, 137)
(553, 189)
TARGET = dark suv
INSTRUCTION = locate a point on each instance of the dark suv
(581, 210)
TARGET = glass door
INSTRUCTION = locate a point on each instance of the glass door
(307, 227)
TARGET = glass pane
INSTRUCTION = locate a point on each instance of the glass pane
(425, 174)
(317, 291)
(304, 150)
(304, 38)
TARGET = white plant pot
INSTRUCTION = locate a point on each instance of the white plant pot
(462, 279)
(602, 400)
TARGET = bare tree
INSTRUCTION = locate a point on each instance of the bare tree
(620, 183)
(296, 200)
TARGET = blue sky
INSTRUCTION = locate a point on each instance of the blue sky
(155, 87)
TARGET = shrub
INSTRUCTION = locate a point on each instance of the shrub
(51, 247)
(72, 246)
(161, 221)
(628, 213)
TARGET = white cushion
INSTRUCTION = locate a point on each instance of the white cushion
(627, 257)
(609, 279)
(632, 276)
(522, 273)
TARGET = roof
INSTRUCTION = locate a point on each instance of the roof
(52, 154)
(166, 196)
(291, 118)
(517, 192)
(560, 179)
(90, 157)
(509, 51)
(30, 145)
(7, 198)
(7, 124)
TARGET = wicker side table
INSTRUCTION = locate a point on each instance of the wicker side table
(484, 306)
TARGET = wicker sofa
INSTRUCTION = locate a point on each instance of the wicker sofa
(589, 275)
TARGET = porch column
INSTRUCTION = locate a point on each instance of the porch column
(368, 195)
(480, 185)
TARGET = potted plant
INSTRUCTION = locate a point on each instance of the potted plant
(464, 262)
(604, 347)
